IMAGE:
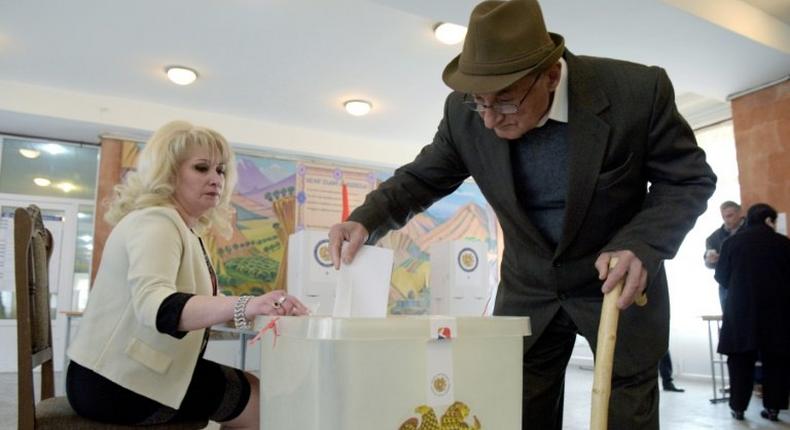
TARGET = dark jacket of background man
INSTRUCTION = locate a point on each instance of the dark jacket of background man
(754, 266)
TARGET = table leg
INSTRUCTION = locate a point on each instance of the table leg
(712, 363)
(243, 350)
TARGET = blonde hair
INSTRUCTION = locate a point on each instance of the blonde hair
(153, 183)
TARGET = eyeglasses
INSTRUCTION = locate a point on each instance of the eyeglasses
(502, 108)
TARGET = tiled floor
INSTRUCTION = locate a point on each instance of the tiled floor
(679, 411)
(690, 410)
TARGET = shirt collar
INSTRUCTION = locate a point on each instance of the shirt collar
(559, 104)
(734, 230)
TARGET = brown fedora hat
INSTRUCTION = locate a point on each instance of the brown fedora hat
(506, 41)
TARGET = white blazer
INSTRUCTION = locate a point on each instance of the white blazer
(149, 255)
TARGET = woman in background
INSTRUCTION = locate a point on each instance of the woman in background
(138, 356)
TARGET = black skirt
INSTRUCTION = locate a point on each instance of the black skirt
(216, 392)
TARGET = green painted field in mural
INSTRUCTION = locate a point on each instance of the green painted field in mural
(250, 263)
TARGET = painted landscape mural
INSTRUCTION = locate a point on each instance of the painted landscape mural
(253, 261)
(461, 215)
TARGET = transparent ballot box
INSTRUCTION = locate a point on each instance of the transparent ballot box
(391, 373)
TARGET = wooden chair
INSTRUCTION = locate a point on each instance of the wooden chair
(32, 250)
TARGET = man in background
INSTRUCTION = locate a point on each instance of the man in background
(733, 220)
(665, 371)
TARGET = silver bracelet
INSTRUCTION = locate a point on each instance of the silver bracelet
(239, 310)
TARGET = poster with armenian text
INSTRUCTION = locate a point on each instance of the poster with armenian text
(325, 194)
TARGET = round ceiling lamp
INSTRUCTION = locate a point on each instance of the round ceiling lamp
(358, 107)
(449, 34)
(53, 148)
(181, 75)
(66, 187)
(42, 182)
(29, 153)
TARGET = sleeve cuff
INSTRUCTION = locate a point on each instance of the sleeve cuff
(169, 314)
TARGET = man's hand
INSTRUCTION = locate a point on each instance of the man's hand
(350, 231)
(711, 257)
(628, 267)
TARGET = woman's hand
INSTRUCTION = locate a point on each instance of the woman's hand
(275, 303)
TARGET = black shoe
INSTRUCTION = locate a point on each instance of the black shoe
(770, 414)
(738, 415)
(672, 387)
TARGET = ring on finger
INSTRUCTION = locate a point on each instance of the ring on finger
(279, 302)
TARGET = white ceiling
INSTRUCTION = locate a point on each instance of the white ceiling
(293, 62)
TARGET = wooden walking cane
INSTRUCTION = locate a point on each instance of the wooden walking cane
(604, 356)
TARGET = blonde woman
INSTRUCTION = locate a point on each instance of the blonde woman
(138, 356)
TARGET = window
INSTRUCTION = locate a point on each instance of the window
(60, 178)
(48, 168)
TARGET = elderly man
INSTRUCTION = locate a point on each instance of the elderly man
(733, 220)
(563, 147)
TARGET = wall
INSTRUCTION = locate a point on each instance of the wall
(762, 141)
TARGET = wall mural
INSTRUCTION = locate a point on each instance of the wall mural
(251, 261)
(276, 197)
(461, 215)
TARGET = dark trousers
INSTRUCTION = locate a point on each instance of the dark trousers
(722, 298)
(776, 379)
(665, 369)
(632, 405)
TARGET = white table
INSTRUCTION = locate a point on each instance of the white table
(716, 360)
(244, 337)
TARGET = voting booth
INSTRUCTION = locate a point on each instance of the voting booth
(391, 373)
(459, 278)
(311, 277)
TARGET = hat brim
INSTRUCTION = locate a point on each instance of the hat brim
(481, 84)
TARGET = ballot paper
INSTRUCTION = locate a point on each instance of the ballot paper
(363, 286)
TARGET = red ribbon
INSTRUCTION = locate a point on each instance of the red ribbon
(271, 326)
(346, 211)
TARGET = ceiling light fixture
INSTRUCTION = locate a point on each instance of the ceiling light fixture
(29, 153)
(449, 34)
(358, 107)
(53, 148)
(66, 187)
(181, 75)
(42, 182)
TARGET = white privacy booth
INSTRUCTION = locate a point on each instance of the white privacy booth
(311, 277)
(391, 373)
(459, 278)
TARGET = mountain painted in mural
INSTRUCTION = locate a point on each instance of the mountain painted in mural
(411, 259)
(422, 231)
(258, 200)
(251, 179)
